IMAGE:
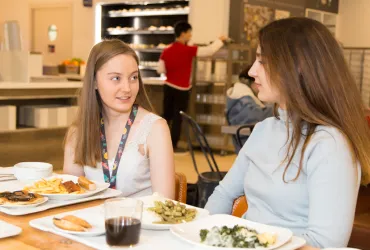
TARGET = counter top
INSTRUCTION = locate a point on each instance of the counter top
(66, 84)
(154, 80)
(40, 85)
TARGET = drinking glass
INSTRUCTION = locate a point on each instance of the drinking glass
(122, 221)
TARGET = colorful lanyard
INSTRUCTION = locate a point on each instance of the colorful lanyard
(104, 150)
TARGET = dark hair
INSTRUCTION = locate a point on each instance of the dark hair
(306, 64)
(181, 27)
(244, 74)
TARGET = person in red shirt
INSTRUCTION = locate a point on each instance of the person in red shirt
(176, 62)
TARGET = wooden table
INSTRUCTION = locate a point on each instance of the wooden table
(34, 239)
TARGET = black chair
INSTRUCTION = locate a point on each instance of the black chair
(207, 181)
(239, 135)
(239, 139)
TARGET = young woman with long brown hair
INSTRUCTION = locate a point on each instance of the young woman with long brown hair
(302, 169)
(115, 137)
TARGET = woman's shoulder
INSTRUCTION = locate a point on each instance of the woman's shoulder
(269, 123)
(151, 122)
(329, 136)
(147, 116)
(327, 140)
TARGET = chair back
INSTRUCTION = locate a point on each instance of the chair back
(207, 181)
(241, 134)
(180, 187)
(240, 206)
(193, 127)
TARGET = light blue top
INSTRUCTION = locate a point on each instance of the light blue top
(319, 206)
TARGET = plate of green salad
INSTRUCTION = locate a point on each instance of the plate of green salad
(229, 232)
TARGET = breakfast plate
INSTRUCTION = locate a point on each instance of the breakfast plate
(50, 187)
(21, 206)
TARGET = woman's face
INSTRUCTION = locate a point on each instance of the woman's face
(266, 91)
(118, 83)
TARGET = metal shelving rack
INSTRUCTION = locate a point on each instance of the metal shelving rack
(358, 60)
(234, 57)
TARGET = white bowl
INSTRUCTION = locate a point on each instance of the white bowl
(27, 171)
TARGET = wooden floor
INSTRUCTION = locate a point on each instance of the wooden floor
(184, 164)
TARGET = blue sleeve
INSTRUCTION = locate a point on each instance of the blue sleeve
(333, 183)
(230, 188)
(246, 111)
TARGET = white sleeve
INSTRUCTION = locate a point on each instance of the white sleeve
(210, 49)
(161, 67)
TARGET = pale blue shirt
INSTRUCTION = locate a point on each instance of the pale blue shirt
(319, 206)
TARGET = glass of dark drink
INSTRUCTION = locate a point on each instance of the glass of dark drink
(123, 221)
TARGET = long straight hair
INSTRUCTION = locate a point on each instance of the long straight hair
(308, 68)
(86, 128)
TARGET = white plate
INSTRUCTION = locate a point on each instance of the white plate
(294, 243)
(149, 217)
(25, 206)
(190, 231)
(99, 188)
(96, 231)
(8, 230)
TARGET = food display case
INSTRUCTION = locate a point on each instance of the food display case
(147, 27)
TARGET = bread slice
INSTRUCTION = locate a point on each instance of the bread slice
(67, 225)
(77, 221)
(86, 183)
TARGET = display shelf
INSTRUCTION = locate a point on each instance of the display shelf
(217, 78)
(154, 50)
(141, 32)
(151, 13)
(137, 18)
(326, 18)
(147, 67)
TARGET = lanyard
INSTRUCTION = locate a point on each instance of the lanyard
(104, 150)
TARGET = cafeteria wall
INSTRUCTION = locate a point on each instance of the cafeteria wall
(15, 10)
(208, 17)
(353, 22)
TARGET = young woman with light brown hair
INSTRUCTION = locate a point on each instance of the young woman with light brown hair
(302, 169)
(115, 137)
